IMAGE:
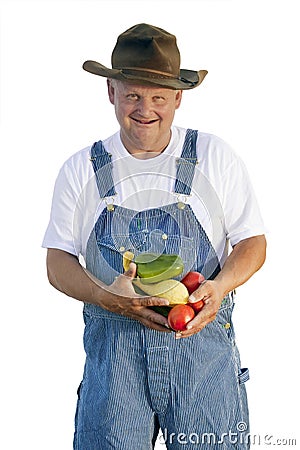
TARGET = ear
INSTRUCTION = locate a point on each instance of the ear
(111, 91)
(178, 98)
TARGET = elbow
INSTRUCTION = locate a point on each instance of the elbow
(50, 276)
(261, 243)
(264, 250)
(52, 269)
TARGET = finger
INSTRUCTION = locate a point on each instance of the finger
(155, 326)
(193, 330)
(178, 334)
(199, 294)
(156, 318)
(131, 272)
(200, 320)
(150, 301)
(153, 320)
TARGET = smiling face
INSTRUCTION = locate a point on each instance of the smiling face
(145, 115)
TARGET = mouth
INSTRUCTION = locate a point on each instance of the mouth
(144, 121)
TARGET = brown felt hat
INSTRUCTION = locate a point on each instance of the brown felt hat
(147, 55)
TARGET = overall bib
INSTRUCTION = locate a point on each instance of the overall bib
(137, 379)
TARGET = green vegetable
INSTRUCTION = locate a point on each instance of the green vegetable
(153, 267)
(163, 310)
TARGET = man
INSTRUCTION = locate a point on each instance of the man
(154, 187)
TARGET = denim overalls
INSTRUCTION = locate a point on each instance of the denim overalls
(137, 379)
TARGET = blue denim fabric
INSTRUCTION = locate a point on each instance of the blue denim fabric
(136, 378)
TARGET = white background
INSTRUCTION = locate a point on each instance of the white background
(50, 108)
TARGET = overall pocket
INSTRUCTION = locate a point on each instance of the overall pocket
(111, 249)
(223, 321)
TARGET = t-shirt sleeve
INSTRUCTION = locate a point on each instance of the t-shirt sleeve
(242, 214)
(62, 230)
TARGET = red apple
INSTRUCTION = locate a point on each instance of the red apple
(192, 281)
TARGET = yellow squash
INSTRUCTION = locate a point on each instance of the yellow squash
(172, 290)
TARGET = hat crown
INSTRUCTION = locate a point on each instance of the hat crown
(147, 47)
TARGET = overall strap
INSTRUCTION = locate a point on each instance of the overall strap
(186, 164)
(102, 165)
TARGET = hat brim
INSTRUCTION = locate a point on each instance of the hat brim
(188, 79)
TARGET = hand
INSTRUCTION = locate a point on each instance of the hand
(211, 294)
(122, 299)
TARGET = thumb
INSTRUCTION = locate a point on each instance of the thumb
(192, 299)
(198, 294)
(131, 272)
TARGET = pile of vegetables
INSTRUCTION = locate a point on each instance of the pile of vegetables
(156, 275)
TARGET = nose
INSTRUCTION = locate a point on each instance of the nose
(145, 107)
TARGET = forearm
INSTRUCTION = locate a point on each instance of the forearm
(246, 258)
(67, 275)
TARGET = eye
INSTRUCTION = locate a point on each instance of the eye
(159, 99)
(132, 96)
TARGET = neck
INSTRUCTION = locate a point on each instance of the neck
(146, 154)
(148, 150)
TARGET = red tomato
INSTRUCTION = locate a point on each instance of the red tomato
(197, 306)
(192, 281)
(179, 316)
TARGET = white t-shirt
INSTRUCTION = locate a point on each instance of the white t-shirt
(222, 197)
